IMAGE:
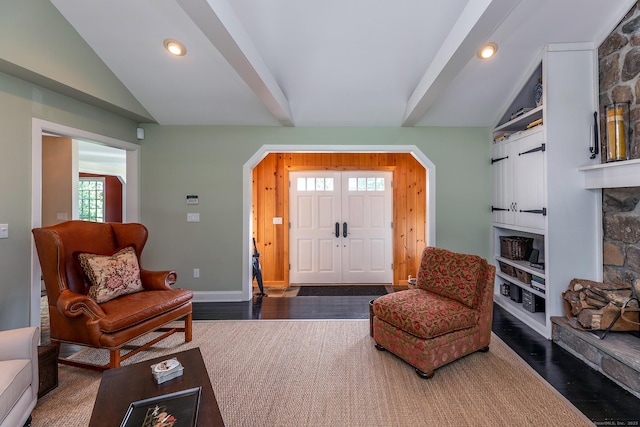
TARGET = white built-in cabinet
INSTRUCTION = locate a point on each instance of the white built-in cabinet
(537, 189)
(520, 188)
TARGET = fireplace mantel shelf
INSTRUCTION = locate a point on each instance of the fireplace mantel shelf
(611, 175)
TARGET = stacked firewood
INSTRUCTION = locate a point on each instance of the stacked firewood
(595, 305)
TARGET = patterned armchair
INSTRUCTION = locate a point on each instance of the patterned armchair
(446, 317)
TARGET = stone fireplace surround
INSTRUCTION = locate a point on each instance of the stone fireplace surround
(617, 355)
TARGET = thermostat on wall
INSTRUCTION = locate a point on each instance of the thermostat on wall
(192, 199)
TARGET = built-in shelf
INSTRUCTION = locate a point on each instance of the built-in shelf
(523, 265)
(521, 122)
(526, 287)
(624, 173)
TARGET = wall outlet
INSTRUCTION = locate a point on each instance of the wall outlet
(196, 272)
(4, 231)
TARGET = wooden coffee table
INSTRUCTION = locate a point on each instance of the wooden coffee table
(121, 386)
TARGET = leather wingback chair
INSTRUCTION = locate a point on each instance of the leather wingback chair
(446, 317)
(77, 318)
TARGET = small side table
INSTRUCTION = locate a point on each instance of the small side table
(47, 368)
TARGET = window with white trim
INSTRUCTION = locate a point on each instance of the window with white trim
(91, 199)
(366, 184)
(314, 184)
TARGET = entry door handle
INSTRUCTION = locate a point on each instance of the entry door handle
(344, 229)
(337, 229)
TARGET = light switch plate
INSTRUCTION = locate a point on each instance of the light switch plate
(277, 220)
(193, 217)
(4, 231)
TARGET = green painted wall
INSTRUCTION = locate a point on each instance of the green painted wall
(176, 161)
(19, 103)
(208, 160)
(45, 50)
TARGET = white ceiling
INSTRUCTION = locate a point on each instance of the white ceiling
(101, 159)
(331, 62)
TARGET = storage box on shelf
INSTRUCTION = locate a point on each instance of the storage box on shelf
(515, 293)
(531, 302)
(515, 247)
(523, 276)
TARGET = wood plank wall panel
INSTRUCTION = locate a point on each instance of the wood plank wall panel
(271, 196)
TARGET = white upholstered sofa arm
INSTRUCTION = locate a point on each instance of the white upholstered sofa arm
(20, 344)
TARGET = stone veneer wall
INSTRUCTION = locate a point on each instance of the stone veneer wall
(619, 64)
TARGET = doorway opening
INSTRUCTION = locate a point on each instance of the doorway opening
(40, 128)
(275, 243)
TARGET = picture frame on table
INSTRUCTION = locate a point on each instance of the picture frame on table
(173, 409)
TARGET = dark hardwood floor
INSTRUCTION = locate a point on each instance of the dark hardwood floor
(599, 398)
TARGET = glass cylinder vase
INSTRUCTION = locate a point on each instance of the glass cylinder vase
(617, 116)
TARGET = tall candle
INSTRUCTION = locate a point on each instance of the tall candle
(616, 136)
(621, 141)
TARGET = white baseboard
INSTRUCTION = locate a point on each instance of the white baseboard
(217, 296)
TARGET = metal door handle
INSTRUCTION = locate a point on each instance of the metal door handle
(337, 229)
(344, 229)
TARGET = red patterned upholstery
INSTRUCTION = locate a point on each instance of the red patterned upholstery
(446, 317)
(452, 275)
(425, 314)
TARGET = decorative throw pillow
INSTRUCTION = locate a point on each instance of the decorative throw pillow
(112, 275)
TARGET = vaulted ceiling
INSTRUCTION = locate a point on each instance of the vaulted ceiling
(331, 62)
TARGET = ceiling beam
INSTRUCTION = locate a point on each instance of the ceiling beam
(220, 25)
(476, 24)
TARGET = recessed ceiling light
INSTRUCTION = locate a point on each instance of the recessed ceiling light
(487, 50)
(174, 47)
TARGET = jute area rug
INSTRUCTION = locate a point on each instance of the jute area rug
(327, 373)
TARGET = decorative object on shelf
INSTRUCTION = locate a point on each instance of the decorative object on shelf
(505, 289)
(520, 112)
(502, 136)
(617, 116)
(537, 93)
(534, 123)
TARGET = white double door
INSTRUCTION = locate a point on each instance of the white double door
(340, 227)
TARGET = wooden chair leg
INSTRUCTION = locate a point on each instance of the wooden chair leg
(188, 330)
(114, 358)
